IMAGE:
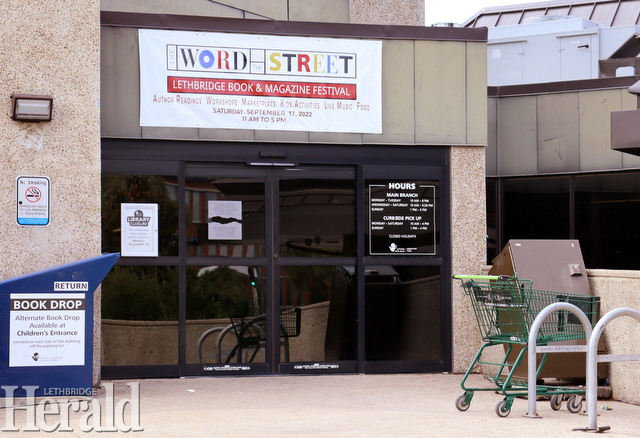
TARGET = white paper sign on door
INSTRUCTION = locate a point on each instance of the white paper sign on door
(139, 225)
(225, 220)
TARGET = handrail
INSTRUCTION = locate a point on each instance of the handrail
(479, 277)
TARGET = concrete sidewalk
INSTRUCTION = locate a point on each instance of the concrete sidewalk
(406, 405)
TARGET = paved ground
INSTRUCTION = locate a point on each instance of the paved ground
(409, 405)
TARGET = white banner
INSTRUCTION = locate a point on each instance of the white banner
(238, 81)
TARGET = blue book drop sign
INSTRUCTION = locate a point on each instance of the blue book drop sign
(32, 200)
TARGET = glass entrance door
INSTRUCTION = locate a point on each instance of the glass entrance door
(267, 253)
(316, 246)
(406, 302)
(226, 217)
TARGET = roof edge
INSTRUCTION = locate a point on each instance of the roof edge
(291, 28)
(561, 87)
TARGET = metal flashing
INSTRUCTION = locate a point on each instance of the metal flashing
(297, 28)
(561, 87)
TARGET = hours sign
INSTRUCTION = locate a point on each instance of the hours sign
(402, 218)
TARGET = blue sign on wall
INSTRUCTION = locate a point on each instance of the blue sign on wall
(46, 321)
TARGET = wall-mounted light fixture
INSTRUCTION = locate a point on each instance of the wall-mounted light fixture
(31, 107)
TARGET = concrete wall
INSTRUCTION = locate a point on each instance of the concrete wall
(51, 48)
(620, 289)
(468, 205)
(156, 342)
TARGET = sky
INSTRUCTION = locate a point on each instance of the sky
(457, 11)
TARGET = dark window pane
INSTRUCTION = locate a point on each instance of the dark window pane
(226, 319)
(536, 208)
(120, 189)
(317, 218)
(326, 299)
(402, 305)
(140, 316)
(225, 217)
(607, 226)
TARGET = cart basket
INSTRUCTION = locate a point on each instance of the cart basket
(505, 308)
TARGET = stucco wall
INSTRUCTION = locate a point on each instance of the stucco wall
(468, 245)
(398, 12)
(401, 12)
(51, 48)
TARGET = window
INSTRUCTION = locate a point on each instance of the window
(139, 301)
(607, 211)
(536, 208)
(161, 190)
(599, 210)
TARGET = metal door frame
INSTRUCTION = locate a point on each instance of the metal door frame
(174, 157)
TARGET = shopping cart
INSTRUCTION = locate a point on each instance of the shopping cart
(505, 308)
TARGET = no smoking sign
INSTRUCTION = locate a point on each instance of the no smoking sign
(32, 204)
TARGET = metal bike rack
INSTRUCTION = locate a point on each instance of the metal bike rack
(199, 354)
(592, 360)
(533, 349)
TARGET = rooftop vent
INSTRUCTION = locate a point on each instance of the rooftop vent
(445, 25)
(545, 18)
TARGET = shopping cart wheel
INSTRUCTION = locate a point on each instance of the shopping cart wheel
(502, 410)
(461, 403)
(574, 404)
(556, 402)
